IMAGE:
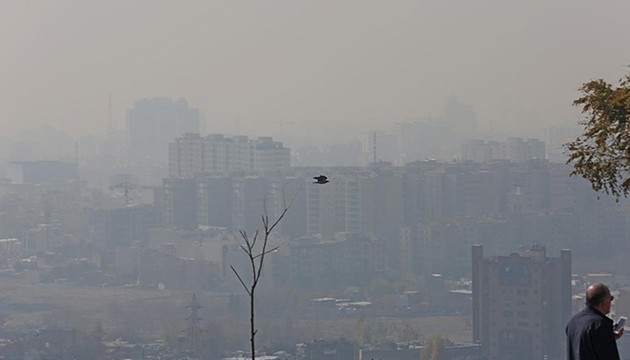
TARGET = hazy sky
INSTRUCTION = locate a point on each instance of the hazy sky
(516, 62)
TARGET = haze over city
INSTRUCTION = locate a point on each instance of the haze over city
(400, 166)
(250, 65)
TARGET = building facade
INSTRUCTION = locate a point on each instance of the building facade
(193, 154)
(153, 123)
(331, 262)
(42, 172)
(521, 303)
(513, 148)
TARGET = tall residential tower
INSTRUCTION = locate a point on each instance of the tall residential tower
(521, 303)
(153, 123)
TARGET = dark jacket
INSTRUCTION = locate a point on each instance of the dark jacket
(590, 336)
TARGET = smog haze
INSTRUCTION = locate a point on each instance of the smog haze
(251, 66)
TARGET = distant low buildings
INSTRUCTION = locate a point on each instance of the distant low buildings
(42, 172)
(160, 270)
(123, 226)
(345, 259)
(176, 259)
(414, 352)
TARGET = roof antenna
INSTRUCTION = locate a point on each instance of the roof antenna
(110, 117)
(374, 147)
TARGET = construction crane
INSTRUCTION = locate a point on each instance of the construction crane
(281, 123)
(127, 187)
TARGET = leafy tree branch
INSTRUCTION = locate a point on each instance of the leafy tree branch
(601, 154)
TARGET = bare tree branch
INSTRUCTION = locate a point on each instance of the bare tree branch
(241, 280)
(267, 252)
(249, 248)
(255, 238)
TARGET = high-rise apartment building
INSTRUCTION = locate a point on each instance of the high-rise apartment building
(234, 202)
(443, 246)
(192, 154)
(373, 203)
(460, 117)
(179, 203)
(521, 303)
(289, 192)
(269, 155)
(423, 139)
(326, 207)
(251, 194)
(521, 150)
(214, 201)
(153, 123)
(514, 149)
(358, 200)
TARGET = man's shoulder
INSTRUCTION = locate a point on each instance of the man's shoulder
(588, 315)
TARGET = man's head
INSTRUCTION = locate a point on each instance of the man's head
(598, 296)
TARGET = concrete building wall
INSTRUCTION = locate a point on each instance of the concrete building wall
(521, 303)
(513, 148)
(215, 154)
(215, 201)
(153, 123)
(179, 203)
(330, 262)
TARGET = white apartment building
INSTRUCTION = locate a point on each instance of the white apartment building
(514, 149)
(216, 154)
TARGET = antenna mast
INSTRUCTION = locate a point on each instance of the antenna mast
(374, 147)
(76, 158)
(110, 118)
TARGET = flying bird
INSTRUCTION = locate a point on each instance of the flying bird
(321, 179)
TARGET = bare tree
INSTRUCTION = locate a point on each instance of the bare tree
(256, 258)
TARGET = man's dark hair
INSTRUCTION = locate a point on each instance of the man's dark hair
(596, 294)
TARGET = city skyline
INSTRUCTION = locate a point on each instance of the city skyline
(149, 148)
